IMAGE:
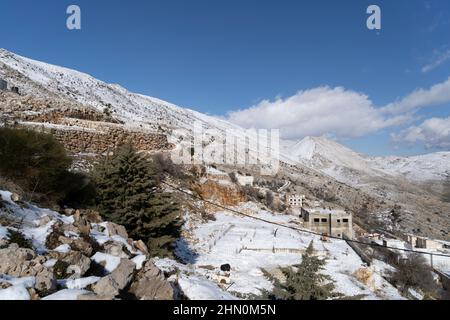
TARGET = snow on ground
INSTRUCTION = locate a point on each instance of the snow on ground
(202, 289)
(249, 245)
(78, 283)
(29, 217)
(3, 232)
(110, 262)
(15, 293)
(67, 294)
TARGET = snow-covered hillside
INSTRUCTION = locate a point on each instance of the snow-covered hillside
(346, 165)
(250, 246)
(433, 166)
(134, 109)
(44, 80)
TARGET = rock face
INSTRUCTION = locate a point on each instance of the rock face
(151, 284)
(224, 194)
(114, 283)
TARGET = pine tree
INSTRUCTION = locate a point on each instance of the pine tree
(303, 281)
(128, 194)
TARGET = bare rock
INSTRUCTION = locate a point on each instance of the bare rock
(112, 284)
(45, 281)
(140, 245)
(81, 223)
(83, 246)
(151, 284)
(115, 229)
(15, 261)
(78, 264)
(44, 221)
(116, 249)
(15, 197)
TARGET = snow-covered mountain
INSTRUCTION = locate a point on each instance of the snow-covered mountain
(346, 165)
(44, 80)
(49, 81)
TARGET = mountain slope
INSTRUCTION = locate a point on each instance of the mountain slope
(346, 165)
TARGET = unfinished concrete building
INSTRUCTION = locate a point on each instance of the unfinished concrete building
(336, 223)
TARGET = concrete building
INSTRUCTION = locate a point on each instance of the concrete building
(336, 223)
(423, 243)
(245, 180)
(3, 85)
(294, 200)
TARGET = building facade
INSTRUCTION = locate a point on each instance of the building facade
(335, 223)
(294, 200)
(245, 180)
(3, 85)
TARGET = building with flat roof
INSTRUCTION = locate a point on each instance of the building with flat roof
(245, 180)
(335, 223)
(294, 200)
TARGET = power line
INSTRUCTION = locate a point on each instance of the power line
(294, 228)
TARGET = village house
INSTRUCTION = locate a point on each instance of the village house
(246, 180)
(335, 223)
(294, 200)
(424, 243)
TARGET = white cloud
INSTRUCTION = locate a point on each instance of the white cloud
(336, 112)
(324, 110)
(433, 133)
(420, 98)
(439, 59)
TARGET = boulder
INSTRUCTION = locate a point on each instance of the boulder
(115, 229)
(116, 249)
(81, 223)
(45, 281)
(44, 221)
(112, 284)
(15, 197)
(140, 245)
(83, 246)
(151, 284)
(78, 263)
(15, 261)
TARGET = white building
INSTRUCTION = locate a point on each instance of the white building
(295, 200)
(245, 180)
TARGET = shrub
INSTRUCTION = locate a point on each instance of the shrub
(19, 239)
(413, 272)
(128, 194)
(164, 164)
(35, 161)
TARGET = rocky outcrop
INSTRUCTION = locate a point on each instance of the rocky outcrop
(78, 252)
(227, 195)
(114, 283)
(151, 284)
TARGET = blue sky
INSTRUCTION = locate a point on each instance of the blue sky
(219, 57)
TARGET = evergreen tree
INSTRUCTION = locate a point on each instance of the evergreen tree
(128, 194)
(303, 281)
